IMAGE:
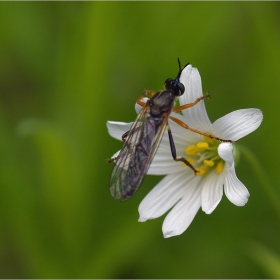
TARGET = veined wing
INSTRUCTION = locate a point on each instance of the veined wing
(136, 155)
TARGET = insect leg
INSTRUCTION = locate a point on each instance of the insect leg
(123, 139)
(186, 106)
(125, 135)
(109, 160)
(198, 131)
(174, 153)
(144, 94)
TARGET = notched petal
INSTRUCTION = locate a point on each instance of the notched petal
(183, 213)
(237, 124)
(235, 190)
(195, 116)
(212, 192)
(225, 152)
(163, 196)
(117, 129)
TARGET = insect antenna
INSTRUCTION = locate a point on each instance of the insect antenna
(180, 69)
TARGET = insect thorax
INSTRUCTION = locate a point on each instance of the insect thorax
(161, 103)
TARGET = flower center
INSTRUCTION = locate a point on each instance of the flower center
(204, 156)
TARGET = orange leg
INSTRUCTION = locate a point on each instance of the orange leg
(144, 94)
(186, 106)
(179, 122)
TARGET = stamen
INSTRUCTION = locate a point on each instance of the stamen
(220, 166)
(202, 171)
(209, 162)
(202, 145)
(204, 157)
(191, 150)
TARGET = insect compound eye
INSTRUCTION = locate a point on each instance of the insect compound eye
(177, 87)
(168, 83)
(180, 89)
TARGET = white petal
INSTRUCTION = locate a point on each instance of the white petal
(163, 162)
(163, 196)
(196, 116)
(182, 137)
(225, 152)
(237, 124)
(186, 136)
(162, 165)
(235, 191)
(138, 108)
(181, 216)
(116, 154)
(117, 129)
(212, 192)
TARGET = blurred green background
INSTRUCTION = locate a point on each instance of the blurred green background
(67, 68)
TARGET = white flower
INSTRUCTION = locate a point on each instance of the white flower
(181, 189)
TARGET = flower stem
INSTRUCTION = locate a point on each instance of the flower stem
(262, 176)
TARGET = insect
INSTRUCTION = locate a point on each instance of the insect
(142, 140)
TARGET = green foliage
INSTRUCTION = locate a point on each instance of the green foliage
(68, 67)
(266, 258)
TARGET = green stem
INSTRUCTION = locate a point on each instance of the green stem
(263, 178)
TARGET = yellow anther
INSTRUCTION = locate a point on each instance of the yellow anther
(191, 150)
(190, 160)
(220, 166)
(202, 145)
(201, 171)
(209, 162)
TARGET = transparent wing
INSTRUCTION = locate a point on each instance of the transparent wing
(136, 155)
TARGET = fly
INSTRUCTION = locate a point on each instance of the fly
(142, 140)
